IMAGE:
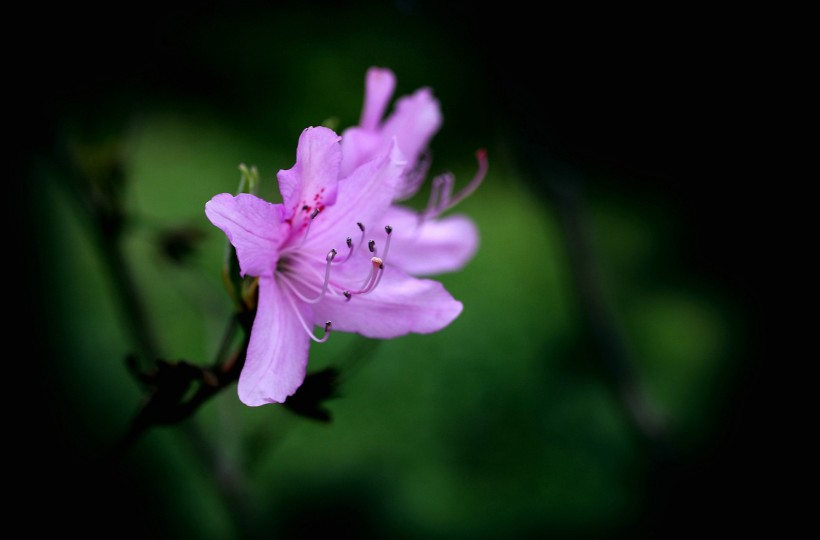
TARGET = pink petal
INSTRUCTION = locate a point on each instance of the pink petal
(254, 227)
(358, 146)
(414, 122)
(379, 86)
(400, 304)
(436, 246)
(278, 352)
(312, 181)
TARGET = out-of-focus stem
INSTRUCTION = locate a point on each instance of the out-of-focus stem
(131, 305)
(609, 341)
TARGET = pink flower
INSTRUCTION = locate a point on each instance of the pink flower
(324, 258)
(427, 243)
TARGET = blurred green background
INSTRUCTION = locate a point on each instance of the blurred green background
(593, 385)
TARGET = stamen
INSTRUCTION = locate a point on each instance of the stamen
(330, 256)
(361, 240)
(415, 177)
(372, 247)
(481, 156)
(378, 279)
(328, 328)
(447, 181)
(347, 295)
(307, 229)
(349, 242)
(372, 278)
(389, 230)
(433, 202)
(351, 246)
(307, 329)
(365, 282)
(378, 270)
(441, 194)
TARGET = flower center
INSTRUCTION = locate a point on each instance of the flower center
(303, 282)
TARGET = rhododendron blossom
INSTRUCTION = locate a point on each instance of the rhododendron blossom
(323, 257)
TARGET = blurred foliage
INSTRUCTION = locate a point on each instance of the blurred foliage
(505, 424)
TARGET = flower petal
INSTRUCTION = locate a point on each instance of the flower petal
(432, 247)
(400, 304)
(254, 227)
(414, 122)
(379, 86)
(312, 181)
(278, 351)
(364, 197)
(358, 146)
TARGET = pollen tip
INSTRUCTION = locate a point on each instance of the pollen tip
(388, 229)
(347, 295)
(371, 245)
(360, 225)
(314, 213)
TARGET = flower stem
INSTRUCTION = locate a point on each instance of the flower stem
(601, 323)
